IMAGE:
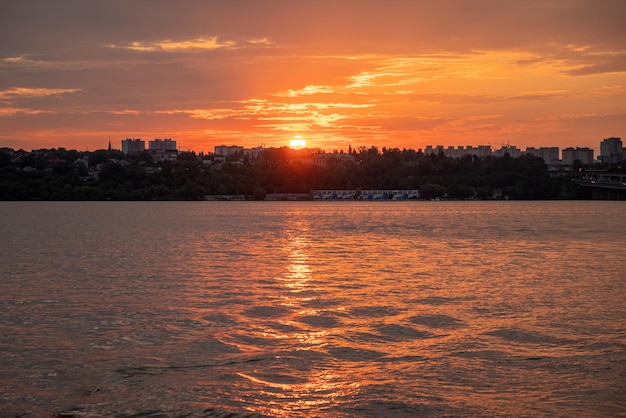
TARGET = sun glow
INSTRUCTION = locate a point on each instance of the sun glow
(297, 142)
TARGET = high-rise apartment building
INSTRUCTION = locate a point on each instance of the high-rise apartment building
(460, 151)
(511, 150)
(549, 154)
(227, 151)
(163, 149)
(611, 150)
(162, 145)
(132, 146)
(253, 153)
(585, 155)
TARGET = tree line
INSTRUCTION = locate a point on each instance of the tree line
(60, 174)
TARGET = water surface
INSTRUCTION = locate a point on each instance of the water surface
(329, 309)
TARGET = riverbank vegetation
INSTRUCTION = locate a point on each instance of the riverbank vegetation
(60, 174)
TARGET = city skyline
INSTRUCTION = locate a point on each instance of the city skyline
(391, 74)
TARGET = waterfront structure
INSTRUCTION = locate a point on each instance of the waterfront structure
(133, 146)
(611, 150)
(585, 155)
(365, 194)
(604, 185)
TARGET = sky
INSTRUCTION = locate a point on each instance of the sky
(338, 73)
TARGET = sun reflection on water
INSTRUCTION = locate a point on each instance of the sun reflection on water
(298, 271)
(323, 387)
(310, 384)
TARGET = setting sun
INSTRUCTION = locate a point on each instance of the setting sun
(297, 142)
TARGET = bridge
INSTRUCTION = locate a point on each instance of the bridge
(605, 186)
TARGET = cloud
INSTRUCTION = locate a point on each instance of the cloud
(194, 44)
(385, 77)
(306, 91)
(614, 90)
(568, 116)
(208, 114)
(125, 112)
(614, 64)
(13, 111)
(24, 92)
(322, 114)
(16, 60)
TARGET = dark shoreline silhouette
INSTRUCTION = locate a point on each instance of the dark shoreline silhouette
(60, 174)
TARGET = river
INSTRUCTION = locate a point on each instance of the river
(326, 309)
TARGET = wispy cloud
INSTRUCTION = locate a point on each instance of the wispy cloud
(306, 91)
(321, 114)
(13, 111)
(37, 62)
(612, 65)
(195, 44)
(569, 116)
(17, 92)
(208, 114)
(15, 60)
(126, 112)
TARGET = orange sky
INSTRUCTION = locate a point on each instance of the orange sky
(389, 73)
